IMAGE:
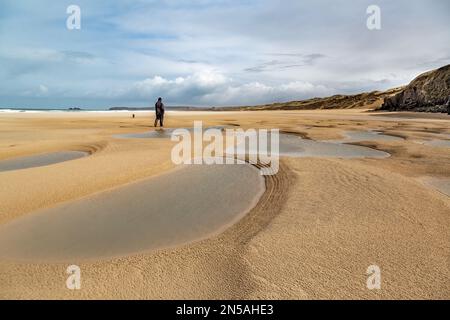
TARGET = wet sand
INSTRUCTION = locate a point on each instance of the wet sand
(318, 226)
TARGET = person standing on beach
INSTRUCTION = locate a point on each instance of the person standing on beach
(159, 109)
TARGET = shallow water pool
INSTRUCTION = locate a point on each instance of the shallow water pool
(185, 205)
(40, 160)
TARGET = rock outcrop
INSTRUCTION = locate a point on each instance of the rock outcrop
(429, 92)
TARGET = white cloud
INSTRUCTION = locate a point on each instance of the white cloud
(211, 87)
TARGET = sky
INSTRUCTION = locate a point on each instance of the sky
(212, 52)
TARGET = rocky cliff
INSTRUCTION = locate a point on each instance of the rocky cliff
(429, 92)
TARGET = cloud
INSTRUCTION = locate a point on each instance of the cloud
(205, 52)
(211, 88)
(287, 61)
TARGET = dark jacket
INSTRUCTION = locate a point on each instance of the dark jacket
(159, 108)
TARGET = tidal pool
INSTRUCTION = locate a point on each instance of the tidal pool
(358, 136)
(184, 205)
(294, 146)
(158, 133)
(155, 134)
(440, 184)
(438, 143)
(40, 160)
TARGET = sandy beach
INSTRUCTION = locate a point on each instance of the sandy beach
(310, 232)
